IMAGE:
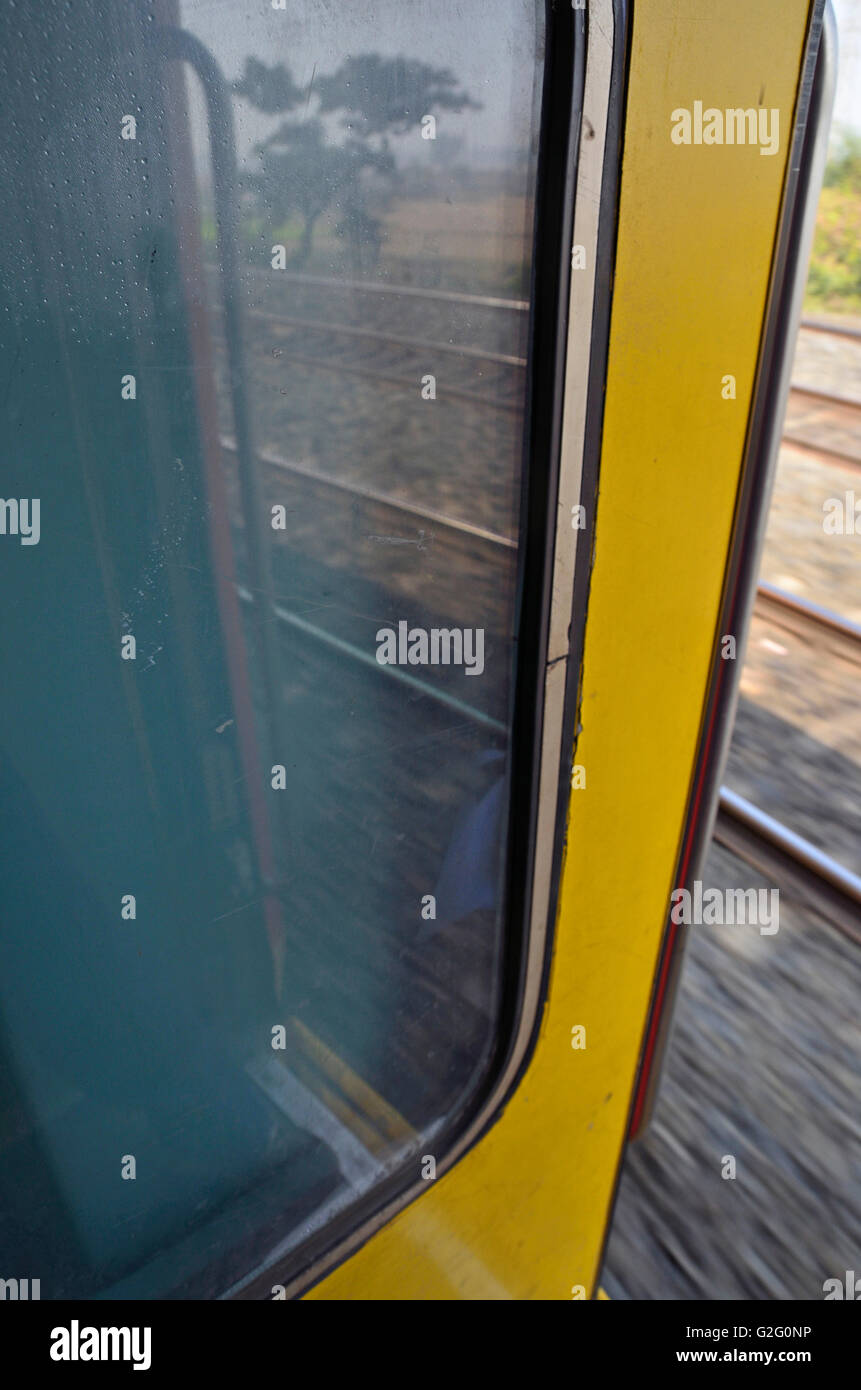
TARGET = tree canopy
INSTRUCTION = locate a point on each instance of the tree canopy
(305, 172)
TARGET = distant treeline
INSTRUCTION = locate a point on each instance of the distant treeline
(834, 282)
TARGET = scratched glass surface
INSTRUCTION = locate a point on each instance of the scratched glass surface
(263, 329)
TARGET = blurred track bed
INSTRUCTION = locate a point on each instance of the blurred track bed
(799, 556)
(796, 749)
(763, 1065)
(796, 746)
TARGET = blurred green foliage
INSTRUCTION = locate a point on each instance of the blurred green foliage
(834, 278)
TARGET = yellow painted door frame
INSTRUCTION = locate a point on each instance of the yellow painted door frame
(523, 1213)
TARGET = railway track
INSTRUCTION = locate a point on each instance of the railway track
(826, 886)
(428, 351)
(800, 392)
(501, 393)
(836, 418)
(834, 330)
(809, 620)
(831, 890)
(816, 626)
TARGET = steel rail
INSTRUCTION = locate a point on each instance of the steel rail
(813, 325)
(827, 398)
(837, 330)
(833, 891)
(346, 330)
(805, 619)
(830, 889)
(802, 389)
(800, 614)
(475, 301)
(429, 347)
(395, 504)
(840, 456)
(405, 383)
(369, 661)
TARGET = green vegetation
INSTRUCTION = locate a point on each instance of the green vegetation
(834, 280)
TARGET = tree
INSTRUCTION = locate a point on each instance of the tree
(271, 90)
(383, 96)
(302, 171)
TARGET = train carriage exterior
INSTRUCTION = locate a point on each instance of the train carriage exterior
(390, 411)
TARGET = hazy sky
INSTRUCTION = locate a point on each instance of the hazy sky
(489, 44)
(847, 107)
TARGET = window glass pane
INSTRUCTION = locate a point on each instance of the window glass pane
(263, 328)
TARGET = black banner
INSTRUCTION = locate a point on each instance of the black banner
(231, 1339)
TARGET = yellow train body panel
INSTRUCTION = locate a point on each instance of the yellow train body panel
(524, 1213)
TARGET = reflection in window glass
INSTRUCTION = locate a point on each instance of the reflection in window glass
(262, 333)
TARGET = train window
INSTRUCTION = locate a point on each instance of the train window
(264, 335)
